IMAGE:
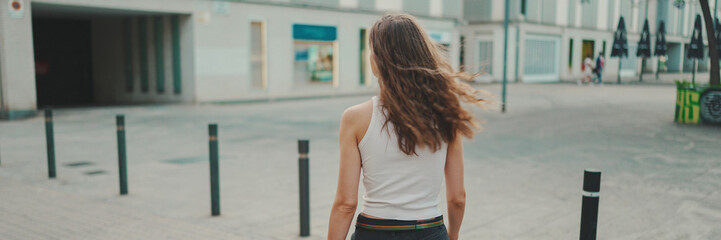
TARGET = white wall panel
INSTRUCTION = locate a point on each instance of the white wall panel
(389, 5)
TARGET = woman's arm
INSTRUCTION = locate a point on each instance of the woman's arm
(346, 197)
(455, 190)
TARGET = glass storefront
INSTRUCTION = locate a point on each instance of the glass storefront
(315, 60)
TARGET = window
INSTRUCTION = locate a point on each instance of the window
(541, 62)
(523, 7)
(462, 51)
(570, 54)
(485, 56)
(257, 56)
(315, 61)
(365, 71)
(540, 55)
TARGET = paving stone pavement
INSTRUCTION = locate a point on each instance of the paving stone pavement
(660, 180)
(30, 212)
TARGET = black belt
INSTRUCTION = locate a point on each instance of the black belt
(397, 225)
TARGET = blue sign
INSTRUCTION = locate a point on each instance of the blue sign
(314, 32)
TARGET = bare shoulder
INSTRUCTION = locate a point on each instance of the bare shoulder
(357, 118)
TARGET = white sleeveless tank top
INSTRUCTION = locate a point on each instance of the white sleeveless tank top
(399, 186)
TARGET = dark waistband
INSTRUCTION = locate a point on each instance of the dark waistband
(395, 225)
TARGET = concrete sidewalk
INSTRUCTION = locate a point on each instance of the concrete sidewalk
(524, 172)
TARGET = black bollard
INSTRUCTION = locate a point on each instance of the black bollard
(122, 168)
(303, 146)
(589, 206)
(214, 179)
(50, 142)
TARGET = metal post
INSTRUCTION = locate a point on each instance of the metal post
(303, 147)
(658, 66)
(619, 70)
(214, 179)
(122, 168)
(505, 56)
(693, 73)
(643, 66)
(589, 205)
(50, 142)
(518, 44)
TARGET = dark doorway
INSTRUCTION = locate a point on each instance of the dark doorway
(63, 70)
(587, 50)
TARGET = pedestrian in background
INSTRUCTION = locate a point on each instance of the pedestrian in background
(587, 68)
(599, 68)
(404, 141)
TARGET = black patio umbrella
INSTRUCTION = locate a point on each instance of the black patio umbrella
(620, 45)
(660, 49)
(695, 48)
(644, 47)
(644, 44)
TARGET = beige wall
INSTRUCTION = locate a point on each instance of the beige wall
(232, 50)
(17, 64)
(215, 51)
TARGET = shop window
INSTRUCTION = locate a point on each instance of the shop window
(315, 55)
(258, 55)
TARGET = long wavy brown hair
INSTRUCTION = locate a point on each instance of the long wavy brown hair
(420, 92)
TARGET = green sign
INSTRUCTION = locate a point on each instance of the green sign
(687, 105)
(696, 105)
(314, 32)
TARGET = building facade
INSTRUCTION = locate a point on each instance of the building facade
(109, 52)
(548, 39)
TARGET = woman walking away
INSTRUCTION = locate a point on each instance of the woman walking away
(587, 68)
(404, 141)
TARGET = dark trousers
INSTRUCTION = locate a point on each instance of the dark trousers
(433, 233)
